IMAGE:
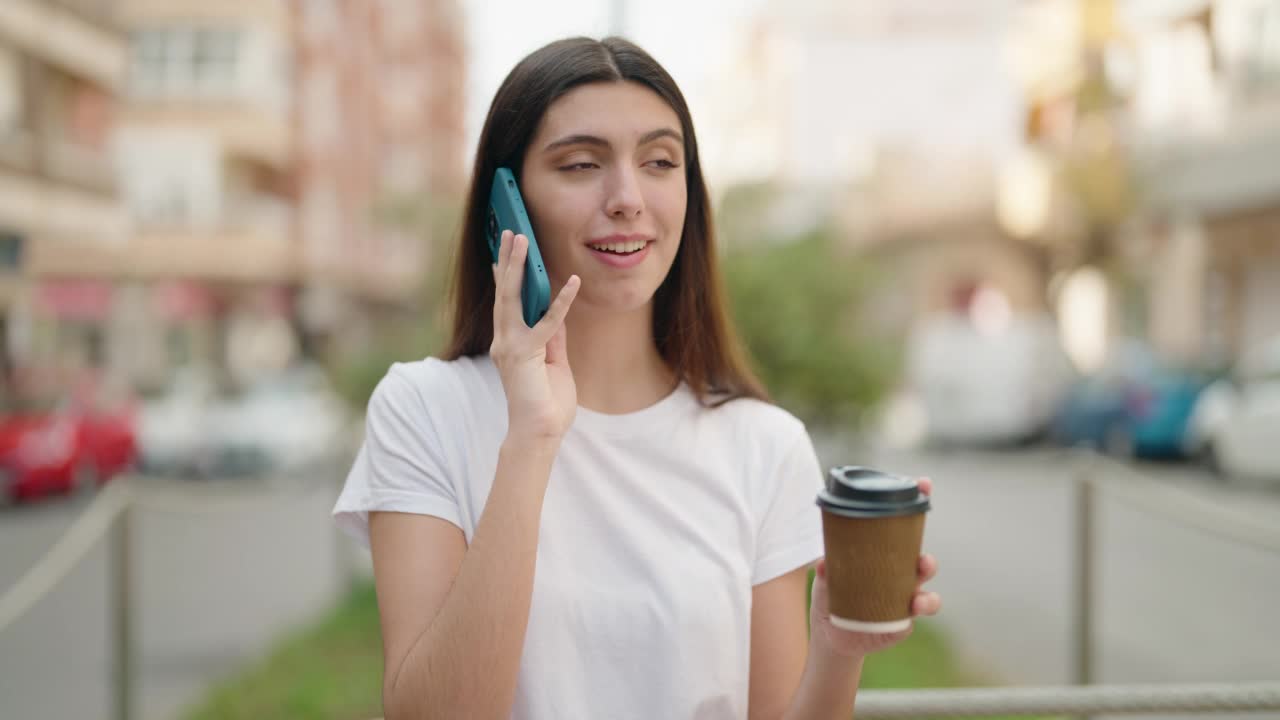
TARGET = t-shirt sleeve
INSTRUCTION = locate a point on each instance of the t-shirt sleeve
(401, 465)
(790, 534)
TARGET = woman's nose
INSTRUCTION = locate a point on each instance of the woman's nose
(624, 199)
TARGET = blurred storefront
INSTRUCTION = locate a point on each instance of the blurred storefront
(60, 67)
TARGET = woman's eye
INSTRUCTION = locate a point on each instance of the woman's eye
(664, 164)
(578, 166)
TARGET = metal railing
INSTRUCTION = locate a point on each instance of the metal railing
(1081, 700)
(115, 506)
(1127, 485)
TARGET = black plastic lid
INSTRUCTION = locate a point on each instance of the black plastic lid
(862, 492)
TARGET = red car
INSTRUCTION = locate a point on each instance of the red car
(78, 446)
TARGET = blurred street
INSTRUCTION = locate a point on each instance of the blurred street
(214, 591)
(1174, 604)
(961, 225)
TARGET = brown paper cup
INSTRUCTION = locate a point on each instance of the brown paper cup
(871, 570)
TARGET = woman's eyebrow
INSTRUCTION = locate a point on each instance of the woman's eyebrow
(661, 133)
(583, 139)
(576, 140)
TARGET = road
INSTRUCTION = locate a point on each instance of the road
(213, 591)
(1174, 604)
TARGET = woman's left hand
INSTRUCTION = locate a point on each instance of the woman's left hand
(855, 644)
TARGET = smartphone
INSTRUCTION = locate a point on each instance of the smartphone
(506, 212)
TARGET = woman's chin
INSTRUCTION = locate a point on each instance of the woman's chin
(620, 301)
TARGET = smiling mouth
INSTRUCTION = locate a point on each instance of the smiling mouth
(619, 248)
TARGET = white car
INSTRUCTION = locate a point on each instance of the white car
(987, 386)
(171, 428)
(282, 425)
(1236, 422)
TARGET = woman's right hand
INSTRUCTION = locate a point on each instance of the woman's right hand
(532, 361)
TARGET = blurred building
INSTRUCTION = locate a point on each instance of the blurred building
(892, 118)
(379, 144)
(1157, 126)
(277, 164)
(1205, 127)
(205, 160)
(61, 64)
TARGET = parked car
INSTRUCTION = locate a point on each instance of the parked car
(1236, 423)
(1135, 406)
(283, 424)
(74, 444)
(984, 387)
(172, 427)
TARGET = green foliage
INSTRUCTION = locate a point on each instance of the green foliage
(796, 303)
(355, 376)
(332, 671)
(417, 331)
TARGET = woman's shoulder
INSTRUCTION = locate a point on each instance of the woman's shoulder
(761, 422)
(437, 382)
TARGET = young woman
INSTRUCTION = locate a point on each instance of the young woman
(601, 516)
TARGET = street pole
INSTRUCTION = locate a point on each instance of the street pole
(1084, 573)
(122, 627)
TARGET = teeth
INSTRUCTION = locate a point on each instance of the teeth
(624, 247)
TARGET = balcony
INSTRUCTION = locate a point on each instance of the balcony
(69, 165)
(41, 209)
(245, 128)
(79, 166)
(1228, 170)
(17, 151)
(273, 13)
(252, 243)
(66, 39)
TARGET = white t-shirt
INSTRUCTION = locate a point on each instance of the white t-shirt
(655, 527)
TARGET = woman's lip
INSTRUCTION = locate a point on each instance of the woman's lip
(619, 238)
(622, 261)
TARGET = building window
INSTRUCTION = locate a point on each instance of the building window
(402, 21)
(186, 61)
(320, 19)
(10, 93)
(322, 220)
(11, 245)
(1266, 46)
(404, 168)
(322, 115)
(171, 179)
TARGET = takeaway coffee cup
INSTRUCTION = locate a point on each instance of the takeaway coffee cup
(873, 525)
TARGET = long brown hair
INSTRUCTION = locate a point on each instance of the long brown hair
(690, 324)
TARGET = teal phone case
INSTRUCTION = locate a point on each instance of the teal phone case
(506, 212)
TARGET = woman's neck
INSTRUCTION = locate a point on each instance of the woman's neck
(615, 362)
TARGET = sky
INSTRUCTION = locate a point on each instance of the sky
(683, 35)
(936, 91)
